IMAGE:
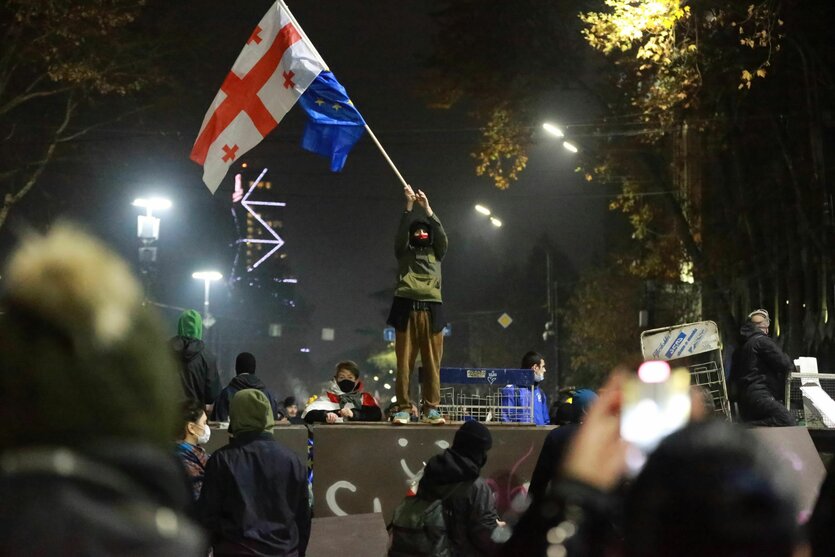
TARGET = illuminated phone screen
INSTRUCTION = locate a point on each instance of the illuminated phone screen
(655, 404)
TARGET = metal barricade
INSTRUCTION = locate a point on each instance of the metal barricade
(487, 394)
(800, 408)
(697, 347)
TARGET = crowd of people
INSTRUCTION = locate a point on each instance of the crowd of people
(91, 406)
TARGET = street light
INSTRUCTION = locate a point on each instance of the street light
(553, 130)
(496, 222)
(147, 225)
(483, 210)
(569, 146)
(207, 277)
(147, 231)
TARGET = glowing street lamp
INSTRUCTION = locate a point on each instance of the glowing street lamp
(496, 222)
(147, 225)
(569, 146)
(483, 210)
(553, 130)
(208, 277)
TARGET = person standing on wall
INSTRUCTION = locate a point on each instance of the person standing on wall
(417, 311)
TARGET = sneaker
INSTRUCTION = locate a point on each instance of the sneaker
(433, 417)
(400, 418)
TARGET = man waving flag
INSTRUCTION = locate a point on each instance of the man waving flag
(277, 67)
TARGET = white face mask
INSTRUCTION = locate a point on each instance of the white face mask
(203, 438)
(538, 377)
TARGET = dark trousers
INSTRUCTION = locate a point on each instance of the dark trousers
(419, 338)
(760, 408)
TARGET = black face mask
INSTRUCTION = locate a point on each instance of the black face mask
(346, 385)
(420, 235)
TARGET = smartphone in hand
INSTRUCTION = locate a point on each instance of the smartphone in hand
(656, 403)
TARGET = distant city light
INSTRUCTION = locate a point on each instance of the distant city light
(386, 386)
(290, 281)
(496, 222)
(483, 210)
(207, 275)
(305, 350)
(569, 146)
(553, 130)
(376, 378)
(391, 372)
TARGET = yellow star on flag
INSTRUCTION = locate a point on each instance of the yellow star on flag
(320, 102)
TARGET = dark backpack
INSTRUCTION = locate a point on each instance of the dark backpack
(419, 529)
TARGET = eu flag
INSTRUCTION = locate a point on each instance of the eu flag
(334, 125)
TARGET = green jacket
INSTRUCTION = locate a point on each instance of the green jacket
(419, 269)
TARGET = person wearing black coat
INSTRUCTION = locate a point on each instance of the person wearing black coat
(454, 476)
(255, 494)
(245, 378)
(758, 375)
(198, 367)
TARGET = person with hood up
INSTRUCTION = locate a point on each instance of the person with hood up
(344, 400)
(416, 314)
(469, 507)
(255, 494)
(758, 375)
(245, 378)
(198, 367)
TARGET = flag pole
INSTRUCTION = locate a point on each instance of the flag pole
(385, 155)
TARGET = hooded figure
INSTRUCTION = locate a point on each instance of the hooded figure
(416, 313)
(453, 476)
(255, 494)
(198, 367)
(758, 374)
(420, 234)
(245, 379)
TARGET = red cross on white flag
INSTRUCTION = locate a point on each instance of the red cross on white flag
(273, 70)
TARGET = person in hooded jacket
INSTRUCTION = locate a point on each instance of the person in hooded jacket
(254, 499)
(245, 378)
(416, 314)
(454, 476)
(198, 367)
(344, 400)
(758, 375)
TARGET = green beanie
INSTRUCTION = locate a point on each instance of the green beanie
(190, 325)
(250, 411)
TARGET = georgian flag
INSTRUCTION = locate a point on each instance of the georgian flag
(275, 68)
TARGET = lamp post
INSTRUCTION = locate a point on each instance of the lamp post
(208, 277)
(147, 231)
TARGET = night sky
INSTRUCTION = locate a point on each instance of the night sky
(338, 227)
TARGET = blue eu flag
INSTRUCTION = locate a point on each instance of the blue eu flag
(334, 125)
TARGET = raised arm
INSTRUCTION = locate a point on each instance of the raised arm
(401, 239)
(440, 241)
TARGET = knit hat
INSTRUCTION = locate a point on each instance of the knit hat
(82, 359)
(190, 325)
(244, 363)
(290, 401)
(583, 399)
(472, 440)
(250, 411)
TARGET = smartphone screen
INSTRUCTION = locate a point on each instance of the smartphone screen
(655, 403)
